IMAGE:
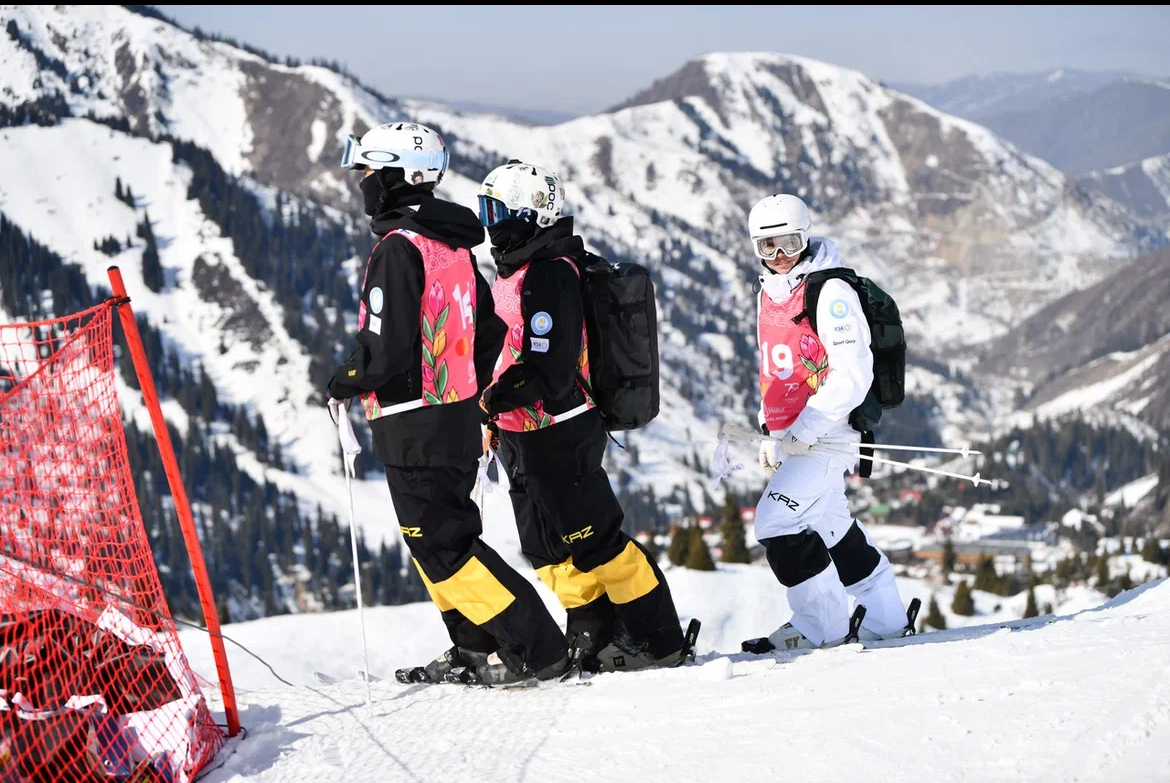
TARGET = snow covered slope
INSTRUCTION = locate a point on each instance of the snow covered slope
(1143, 186)
(1097, 350)
(666, 177)
(1083, 697)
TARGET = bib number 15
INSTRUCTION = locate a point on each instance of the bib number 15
(778, 361)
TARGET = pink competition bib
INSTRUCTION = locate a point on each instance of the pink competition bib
(447, 321)
(793, 363)
(506, 294)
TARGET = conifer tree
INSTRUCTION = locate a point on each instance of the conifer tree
(698, 555)
(1031, 610)
(735, 548)
(934, 618)
(948, 561)
(963, 603)
(679, 543)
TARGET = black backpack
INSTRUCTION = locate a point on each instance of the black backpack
(887, 343)
(621, 320)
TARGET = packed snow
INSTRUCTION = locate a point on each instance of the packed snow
(1082, 695)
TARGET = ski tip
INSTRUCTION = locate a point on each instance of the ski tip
(855, 624)
(689, 639)
(758, 646)
(325, 679)
(912, 616)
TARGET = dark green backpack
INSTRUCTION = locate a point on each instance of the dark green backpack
(887, 343)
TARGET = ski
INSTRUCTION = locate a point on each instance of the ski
(535, 684)
(764, 645)
(329, 679)
(413, 675)
(574, 675)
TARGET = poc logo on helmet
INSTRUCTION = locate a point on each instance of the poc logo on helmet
(552, 192)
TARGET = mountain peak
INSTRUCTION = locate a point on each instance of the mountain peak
(714, 75)
(692, 79)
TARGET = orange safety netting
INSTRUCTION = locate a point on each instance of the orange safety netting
(93, 683)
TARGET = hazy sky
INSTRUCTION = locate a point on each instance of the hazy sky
(581, 59)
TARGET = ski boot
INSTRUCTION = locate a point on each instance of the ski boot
(866, 635)
(786, 637)
(613, 658)
(438, 669)
(496, 671)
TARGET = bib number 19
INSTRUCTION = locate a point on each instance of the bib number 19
(778, 361)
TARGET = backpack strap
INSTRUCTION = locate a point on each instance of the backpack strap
(865, 468)
(814, 282)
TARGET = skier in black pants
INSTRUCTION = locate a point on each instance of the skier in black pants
(427, 339)
(621, 614)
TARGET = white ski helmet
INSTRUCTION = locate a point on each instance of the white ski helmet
(416, 149)
(517, 189)
(779, 223)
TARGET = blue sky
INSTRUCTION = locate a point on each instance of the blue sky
(581, 59)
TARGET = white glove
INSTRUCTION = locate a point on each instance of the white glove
(336, 407)
(721, 464)
(485, 461)
(769, 460)
(350, 447)
(791, 446)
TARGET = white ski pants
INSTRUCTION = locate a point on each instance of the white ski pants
(806, 496)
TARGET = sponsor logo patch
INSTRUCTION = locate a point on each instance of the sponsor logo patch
(375, 324)
(843, 328)
(539, 345)
(541, 324)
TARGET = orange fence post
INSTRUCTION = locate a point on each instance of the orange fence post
(179, 494)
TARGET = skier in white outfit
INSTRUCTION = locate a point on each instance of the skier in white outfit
(810, 382)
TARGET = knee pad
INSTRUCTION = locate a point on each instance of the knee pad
(854, 556)
(796, 558)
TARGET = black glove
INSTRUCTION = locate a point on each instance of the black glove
(485, 403)
(492, 439)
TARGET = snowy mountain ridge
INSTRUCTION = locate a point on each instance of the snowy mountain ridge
(939, 210)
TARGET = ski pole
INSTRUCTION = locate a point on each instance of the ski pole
(350, 449)
(976, 479)
(743, 433)
(963, 452)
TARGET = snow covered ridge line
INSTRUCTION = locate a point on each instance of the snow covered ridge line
(643, 180)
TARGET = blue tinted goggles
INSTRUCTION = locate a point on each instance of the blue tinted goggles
(493, 211)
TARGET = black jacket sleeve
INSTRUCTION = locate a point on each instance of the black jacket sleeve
(553, 314)
(392, 296)
(490, 331)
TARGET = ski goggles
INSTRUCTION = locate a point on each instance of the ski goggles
(493, 211)
(358, 157)
(788, 244)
